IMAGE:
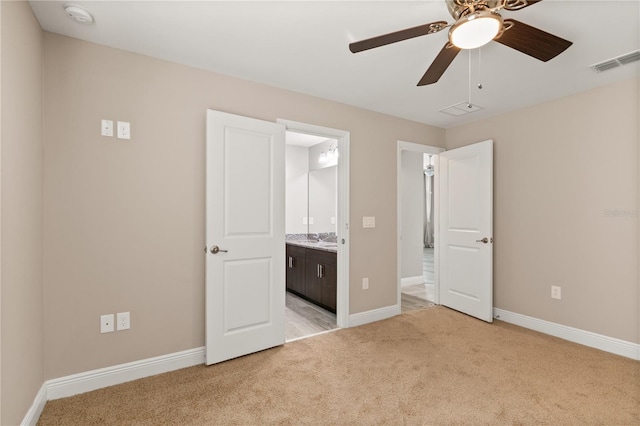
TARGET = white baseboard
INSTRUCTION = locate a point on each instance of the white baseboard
(373, 315)
(587, 338)
(412, 281)
(32, 416)
(109, 376)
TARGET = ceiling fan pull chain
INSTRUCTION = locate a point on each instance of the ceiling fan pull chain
(469, 104)
(480, 68)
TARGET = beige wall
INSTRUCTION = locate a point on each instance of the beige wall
(0, 213)
(559, 167)
(21, 242)
(124, 220)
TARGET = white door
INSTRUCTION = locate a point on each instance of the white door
(245, 266)
(466, 229)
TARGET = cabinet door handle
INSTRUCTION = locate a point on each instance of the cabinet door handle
(321, 269)
(290, 260)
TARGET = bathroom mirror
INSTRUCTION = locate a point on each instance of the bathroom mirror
(311, 187)
(323, 200)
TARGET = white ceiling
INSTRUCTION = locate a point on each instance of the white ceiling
(303, 46)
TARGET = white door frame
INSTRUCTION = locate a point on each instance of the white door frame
(425, 149)
(343, 138)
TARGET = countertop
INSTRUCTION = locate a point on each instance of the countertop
(318, 245)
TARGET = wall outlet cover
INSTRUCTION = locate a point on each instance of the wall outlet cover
(106, 128)
(106, 323)
(123, 321)
(124, 130)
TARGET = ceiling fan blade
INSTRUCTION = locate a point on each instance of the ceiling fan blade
(519, 4)
(397, 36)
(439, 65)
(532, 41)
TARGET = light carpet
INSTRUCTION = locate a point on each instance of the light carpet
(433, 366)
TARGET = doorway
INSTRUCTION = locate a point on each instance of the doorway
(316, 229)
(418, 285)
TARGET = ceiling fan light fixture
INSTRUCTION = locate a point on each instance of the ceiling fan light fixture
(476, 29)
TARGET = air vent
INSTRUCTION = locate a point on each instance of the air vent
(461, 109)
(631, 57)
(617, 62)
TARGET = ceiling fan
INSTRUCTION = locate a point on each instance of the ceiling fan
(477, 23)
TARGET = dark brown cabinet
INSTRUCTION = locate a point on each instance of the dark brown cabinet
(295, 275)
(313, 276)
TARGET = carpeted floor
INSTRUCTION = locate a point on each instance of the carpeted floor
(432, 366)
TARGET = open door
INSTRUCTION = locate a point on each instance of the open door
(245, 265)
(466, 229)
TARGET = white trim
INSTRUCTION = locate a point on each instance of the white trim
(311, 335)
(343, 137)
(576, 335)
(109, 376)
(32, 416)
(419, 279)
(425, 149)
(373, 315)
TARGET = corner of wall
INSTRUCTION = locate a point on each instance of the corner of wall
(21, 197)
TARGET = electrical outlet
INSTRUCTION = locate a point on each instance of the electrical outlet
(368, 221)
(106, 323)
(365, 283)
(106, 128)
(556, 292)
(124, 130)
(124, 321)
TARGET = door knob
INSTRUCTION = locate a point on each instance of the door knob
(484, 240)
(216, 250)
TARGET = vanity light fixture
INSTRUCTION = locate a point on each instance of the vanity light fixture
(329, 155)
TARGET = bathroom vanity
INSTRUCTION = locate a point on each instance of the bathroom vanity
(312, 272)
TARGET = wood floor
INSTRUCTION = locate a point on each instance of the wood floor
(420, 296)
(303, 318)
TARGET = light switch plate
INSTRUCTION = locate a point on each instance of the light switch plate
(124, 130)
(106, 128)
(368, 221)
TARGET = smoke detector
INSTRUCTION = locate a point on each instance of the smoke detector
(78, 14)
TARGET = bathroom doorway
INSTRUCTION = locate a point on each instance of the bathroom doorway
(316, 228)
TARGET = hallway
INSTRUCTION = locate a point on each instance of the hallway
(418, 296)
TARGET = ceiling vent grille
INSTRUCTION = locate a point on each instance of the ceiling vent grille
(617, 62)
(631, 57)
(461, 109)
